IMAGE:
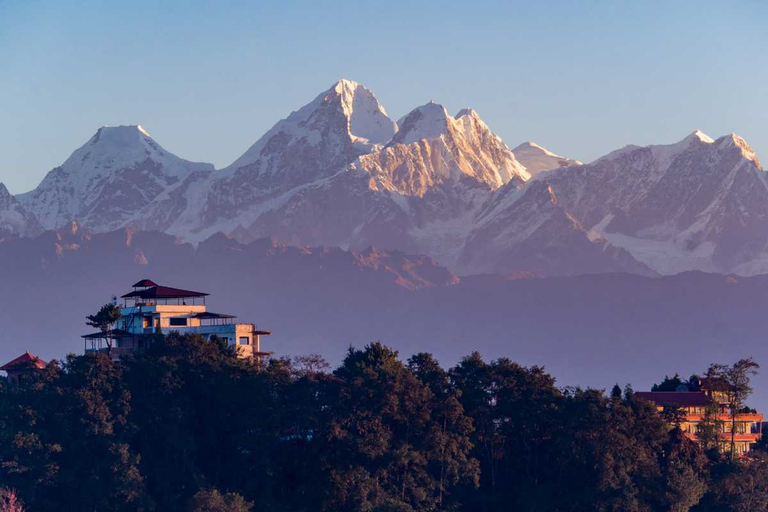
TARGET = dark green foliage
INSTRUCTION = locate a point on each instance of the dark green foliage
(214, 501)
(65, 438)
(105, 318)
(738, 486)
(668, 384)
(186, 425)
(683, 473)
(397, 438)
(734, 382)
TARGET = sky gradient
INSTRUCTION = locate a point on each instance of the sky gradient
(206, 80)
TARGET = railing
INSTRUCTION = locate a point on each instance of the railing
(206, 329)
(115, 352)
(726, 417)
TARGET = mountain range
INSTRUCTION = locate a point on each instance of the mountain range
(339, 172)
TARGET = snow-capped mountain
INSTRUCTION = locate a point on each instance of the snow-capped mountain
(14, 218)
(340, 172)
(419, 192)
(456, 148)
(105, 183)
(311, 144)
(699, 204)
(538, 159)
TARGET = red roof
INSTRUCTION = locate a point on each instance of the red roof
(163, 292)
(145, 283)
(679, 398)
(24, 361)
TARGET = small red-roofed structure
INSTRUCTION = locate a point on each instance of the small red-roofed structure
(24, 364)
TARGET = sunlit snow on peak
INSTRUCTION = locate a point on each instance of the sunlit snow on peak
(700, 135)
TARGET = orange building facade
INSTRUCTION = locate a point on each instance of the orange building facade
(705, 408)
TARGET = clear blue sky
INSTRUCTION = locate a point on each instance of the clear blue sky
(206, 79)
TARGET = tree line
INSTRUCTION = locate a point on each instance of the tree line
(186, 425)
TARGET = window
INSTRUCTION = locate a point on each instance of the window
(244, 340)
(178, 322)
(146, 321)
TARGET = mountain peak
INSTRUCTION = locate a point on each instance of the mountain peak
(467, 112)
(538, 159)
(14, 218)
(347, 114)
(735, 141)
(108, 179)
(367, 118)
(700, 136)
(7, 201)
(122, 135)
(468, 117)
(125, 146)
(532, 146)
(344, 84)
(529, 144)
(428, 121)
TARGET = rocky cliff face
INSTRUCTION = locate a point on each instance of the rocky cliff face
(530, 231)
(15, 220)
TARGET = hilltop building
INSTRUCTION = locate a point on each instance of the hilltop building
(701, 401)
(23, 365)
(150, 308)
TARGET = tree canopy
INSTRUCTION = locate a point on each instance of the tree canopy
(186, 425)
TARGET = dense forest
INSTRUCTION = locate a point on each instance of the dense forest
(186, 425)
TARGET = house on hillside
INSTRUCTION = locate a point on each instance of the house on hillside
(25, 364)
(151, 307)
(704, 401)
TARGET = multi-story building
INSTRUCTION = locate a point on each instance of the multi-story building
(152, 308)
(699, 407)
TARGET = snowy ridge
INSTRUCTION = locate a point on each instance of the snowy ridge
(538, 159)
(698, 204)
(425, 122)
